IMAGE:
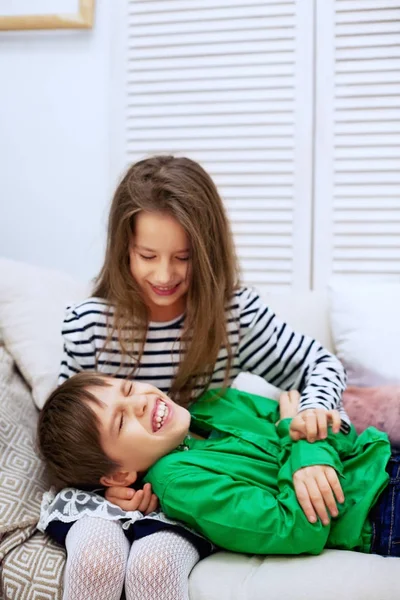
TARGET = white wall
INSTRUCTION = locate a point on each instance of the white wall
(54, 145)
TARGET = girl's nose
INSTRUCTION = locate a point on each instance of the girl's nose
(163, 275)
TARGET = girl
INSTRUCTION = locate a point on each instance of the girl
(167, 308)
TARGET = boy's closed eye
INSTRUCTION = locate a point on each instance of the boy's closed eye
(121, 422)
(127, 388)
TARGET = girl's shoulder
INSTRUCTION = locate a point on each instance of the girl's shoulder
(247, 308)
(83, 315)
(91, 305)
(244, 298)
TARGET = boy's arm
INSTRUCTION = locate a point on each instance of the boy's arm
(316, 469)
(242, 517)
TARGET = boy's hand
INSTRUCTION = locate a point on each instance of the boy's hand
(312, 424)
(314, 487)
(129, 499)
(289, 404)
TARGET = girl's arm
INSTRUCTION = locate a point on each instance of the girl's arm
(289, 360)
(78, 344)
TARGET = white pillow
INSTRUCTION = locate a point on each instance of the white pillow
(254, 384)
(32, 307)
(305, 311)
(365, 323)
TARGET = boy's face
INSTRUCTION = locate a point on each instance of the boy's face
(138, 423)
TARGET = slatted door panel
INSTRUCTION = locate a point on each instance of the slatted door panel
(358, 140)
(228, 83)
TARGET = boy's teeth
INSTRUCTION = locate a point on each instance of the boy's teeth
(162, 411)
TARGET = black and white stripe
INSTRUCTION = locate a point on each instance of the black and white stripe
(262, 344)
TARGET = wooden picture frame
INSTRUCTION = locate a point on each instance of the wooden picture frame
(82, 19)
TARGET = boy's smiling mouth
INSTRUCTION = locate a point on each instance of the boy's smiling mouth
(160, 414)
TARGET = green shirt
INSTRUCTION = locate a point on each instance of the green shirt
(237, 487)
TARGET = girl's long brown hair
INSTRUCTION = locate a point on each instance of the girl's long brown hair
(178, 187)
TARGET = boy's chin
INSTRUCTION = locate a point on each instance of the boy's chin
(182, 437)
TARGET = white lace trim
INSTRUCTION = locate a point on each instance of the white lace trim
(72, 504)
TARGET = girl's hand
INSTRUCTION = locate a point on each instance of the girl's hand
(129, 499)
(314, 487)
(312, 424)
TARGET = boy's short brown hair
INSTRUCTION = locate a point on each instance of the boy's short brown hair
(68, 436)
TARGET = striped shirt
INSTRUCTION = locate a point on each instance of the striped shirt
(261, 344)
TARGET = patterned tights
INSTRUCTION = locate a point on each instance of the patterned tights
(101, 563)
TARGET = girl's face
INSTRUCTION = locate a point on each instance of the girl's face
(160, 263)
(138, 424)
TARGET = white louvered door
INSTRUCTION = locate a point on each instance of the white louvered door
(229, 84)
(357, 169)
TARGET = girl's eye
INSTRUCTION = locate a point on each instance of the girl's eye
(121, 423)
(146, 257)
(183, 258)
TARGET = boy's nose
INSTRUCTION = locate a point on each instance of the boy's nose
(139, 403)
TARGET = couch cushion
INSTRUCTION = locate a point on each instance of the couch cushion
(32, 308)
(334, 575)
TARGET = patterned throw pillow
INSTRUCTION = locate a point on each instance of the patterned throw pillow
(31, 565)
(34, 569)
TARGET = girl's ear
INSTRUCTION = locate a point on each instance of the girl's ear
(119, 479)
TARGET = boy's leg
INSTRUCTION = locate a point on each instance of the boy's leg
(385, 516)
(159, 566)
(97, 553)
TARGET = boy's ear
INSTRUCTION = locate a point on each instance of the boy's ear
(119, 478)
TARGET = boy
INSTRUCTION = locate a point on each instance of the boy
(234, 484)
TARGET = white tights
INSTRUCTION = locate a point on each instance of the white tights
(100, 561)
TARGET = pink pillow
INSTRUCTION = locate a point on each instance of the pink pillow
(377, 406)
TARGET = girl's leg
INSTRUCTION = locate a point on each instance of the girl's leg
(97, 553)
(159, 566)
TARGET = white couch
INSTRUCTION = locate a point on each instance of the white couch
(32, 302)
(335, 574)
